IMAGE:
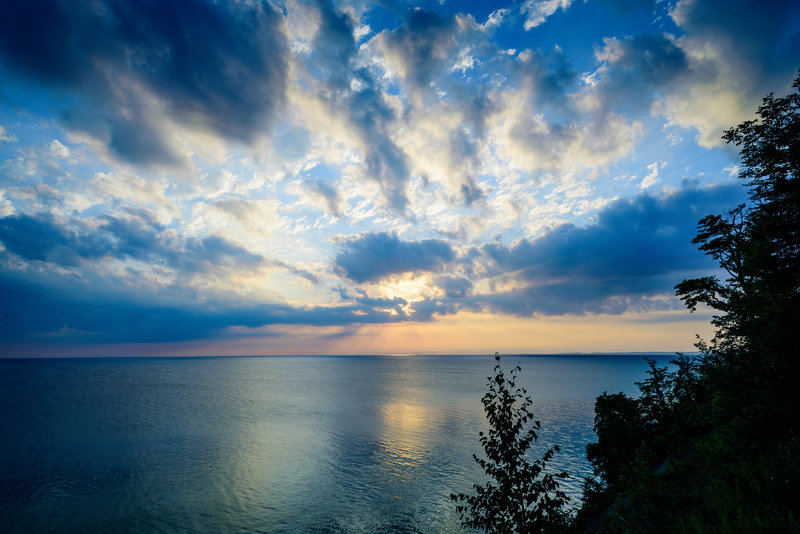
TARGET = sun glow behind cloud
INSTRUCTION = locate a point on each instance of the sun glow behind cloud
(335, 177)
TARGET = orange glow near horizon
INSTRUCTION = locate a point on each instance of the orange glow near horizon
(463, 333)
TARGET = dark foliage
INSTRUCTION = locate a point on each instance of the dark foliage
(520, 496)
(712, 445)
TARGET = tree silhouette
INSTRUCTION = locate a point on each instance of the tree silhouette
(712, 446)
(520, 496)
(759, 247)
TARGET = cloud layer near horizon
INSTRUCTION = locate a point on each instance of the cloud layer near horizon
(632, 255)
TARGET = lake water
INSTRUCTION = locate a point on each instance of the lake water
(295, 444)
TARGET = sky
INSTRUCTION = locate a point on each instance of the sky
(368, 177)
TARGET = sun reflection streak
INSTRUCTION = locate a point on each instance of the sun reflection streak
(405, 437)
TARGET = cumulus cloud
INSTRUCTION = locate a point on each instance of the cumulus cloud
(454, 287)
(711, 76)
(372, 257)
(530, 141)
(216, 66)
(638, 249)
(548, 76)
(550, 121)
(635, 67)
(420, 48)
(739, 51)
(128, 188)
(443, 144)
(758, 39)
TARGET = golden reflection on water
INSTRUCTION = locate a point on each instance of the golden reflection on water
(405, 436)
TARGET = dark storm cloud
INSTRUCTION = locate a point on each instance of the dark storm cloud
(371, 257)
(652, 58)
(56, 309)
(137, 236)
(72, 310)
(60, 298)
(43, 238)
(638, 248)
(220, 66)
(370, 115)
(428, 309)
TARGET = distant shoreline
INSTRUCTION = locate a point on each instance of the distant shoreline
(654, 354)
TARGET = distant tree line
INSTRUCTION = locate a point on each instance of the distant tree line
(711, 445)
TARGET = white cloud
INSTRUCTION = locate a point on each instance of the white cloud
(7, 137)
(495, 19)
(434, 140)
(248, 221)
(465, 62)
(709, 106)
(737, 52)
(538, 11)
(652, 177)
(302, 23)
(6, 207)
(529, 141)
(59, 150)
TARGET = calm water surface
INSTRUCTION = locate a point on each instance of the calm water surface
(295, 444)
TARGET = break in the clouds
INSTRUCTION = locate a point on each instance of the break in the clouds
(173, 171)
